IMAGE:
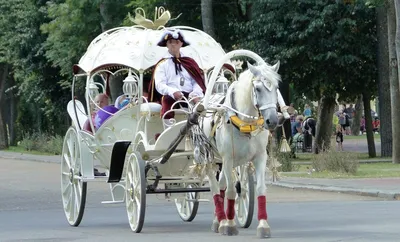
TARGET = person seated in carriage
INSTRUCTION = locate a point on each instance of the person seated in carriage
(175, 76)
(101, 112)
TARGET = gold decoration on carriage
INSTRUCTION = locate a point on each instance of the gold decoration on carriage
(152, 114)
(247, 127)
(161, 18)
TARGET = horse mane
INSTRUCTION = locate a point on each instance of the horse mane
(243, 90)
(243, 87)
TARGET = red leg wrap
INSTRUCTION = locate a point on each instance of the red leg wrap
(262, 208)
(219, 207)
(230, 211)
(222, 193)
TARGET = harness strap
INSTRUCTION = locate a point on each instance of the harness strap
(242, 126)
(246, 127)
(214, 126)
(266, 106)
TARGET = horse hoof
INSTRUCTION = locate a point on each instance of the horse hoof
(223, 225)
(263, 230)
(228, 227)
(231, 231)
(215, 226)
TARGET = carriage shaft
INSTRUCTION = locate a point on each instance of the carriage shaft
(179, 190)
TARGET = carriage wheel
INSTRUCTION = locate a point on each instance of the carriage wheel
(244, 202)
(135, 188)
(73, 189)
(188, 205)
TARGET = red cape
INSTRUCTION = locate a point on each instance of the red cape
(192, 68)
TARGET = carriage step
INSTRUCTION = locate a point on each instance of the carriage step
(112, 202)
(117, 160)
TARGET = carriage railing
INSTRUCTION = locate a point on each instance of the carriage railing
(132, 88)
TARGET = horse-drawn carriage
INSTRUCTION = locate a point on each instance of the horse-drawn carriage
(139, 153)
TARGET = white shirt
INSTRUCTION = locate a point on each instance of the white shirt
(167, 81)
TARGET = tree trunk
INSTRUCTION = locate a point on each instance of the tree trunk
(394, 52)
(106, 22)
(324, 124)
(3, 128)
(13, 113)
(355, 127)
(207, 17)
(384, 83)
(368, 126)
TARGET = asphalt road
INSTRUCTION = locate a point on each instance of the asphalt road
(30, 210)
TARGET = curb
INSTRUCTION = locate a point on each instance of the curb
(35, 158)
(353, 191)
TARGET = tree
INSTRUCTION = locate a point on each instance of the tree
(383, 80)
(394, 50)
(3, 129)
(207, 17)
(324, 48)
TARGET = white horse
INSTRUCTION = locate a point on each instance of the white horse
(255, 94)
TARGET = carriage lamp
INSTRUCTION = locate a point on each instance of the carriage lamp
(130, 86)
(221, 85)
(93, 90)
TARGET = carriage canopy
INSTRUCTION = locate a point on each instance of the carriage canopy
(136, 47)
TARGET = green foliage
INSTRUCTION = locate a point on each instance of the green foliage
(335, 161)
(284, 158)
(42, 143)
(286, 161)
(35, 78)
(324, 47)
(73, 25)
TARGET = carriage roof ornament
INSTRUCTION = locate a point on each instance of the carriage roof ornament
(161, 18)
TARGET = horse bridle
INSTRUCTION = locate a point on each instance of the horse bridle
(254, 97)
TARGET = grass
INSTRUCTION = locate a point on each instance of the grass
(19, 149)
(371, 170)
(308, 157)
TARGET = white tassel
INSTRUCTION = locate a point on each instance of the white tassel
(274, 164)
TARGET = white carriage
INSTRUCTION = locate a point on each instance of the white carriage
(125, 146)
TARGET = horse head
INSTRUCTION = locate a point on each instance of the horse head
(265, 96)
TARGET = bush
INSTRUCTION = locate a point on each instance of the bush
(336, 161)
(286, 161)
(54, 145)
(27, 142)
(43, 143)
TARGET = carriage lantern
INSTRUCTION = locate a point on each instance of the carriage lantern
(222, 85)
(93, 91)
(130, 87)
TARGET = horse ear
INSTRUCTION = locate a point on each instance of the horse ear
(276, 66)
(253, 69)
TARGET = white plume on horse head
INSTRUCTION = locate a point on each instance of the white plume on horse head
(266, 70)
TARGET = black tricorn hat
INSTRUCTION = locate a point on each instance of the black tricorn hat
(172, 34)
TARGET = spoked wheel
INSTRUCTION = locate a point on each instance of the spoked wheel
(188, 205)
(135, 188)
(73, 189)
(244, 202)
